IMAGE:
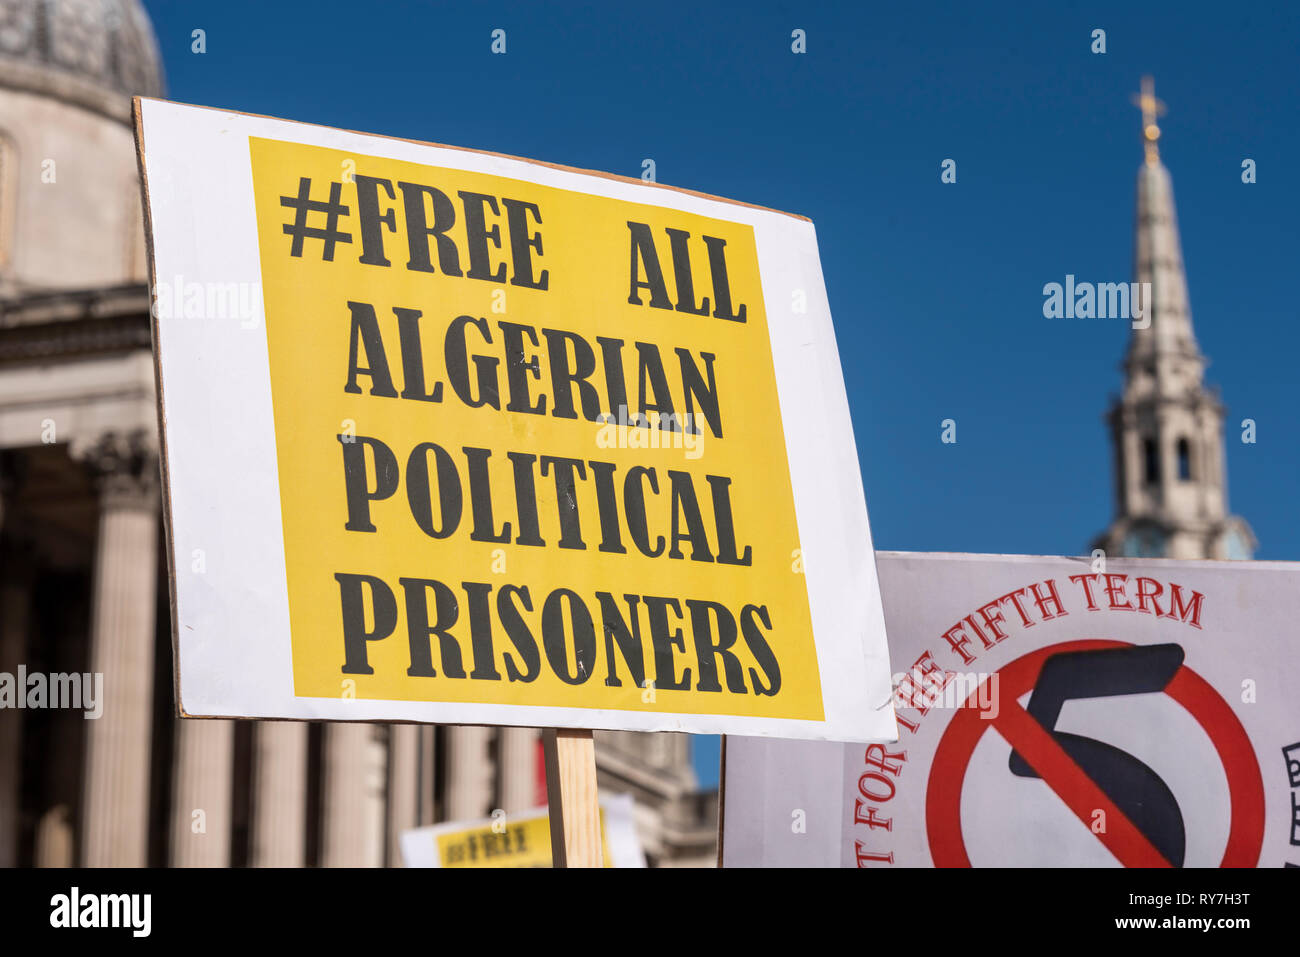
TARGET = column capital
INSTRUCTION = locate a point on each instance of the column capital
(124, 466)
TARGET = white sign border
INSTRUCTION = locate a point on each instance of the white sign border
(221, 478)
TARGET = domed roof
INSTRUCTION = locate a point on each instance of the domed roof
(95, 53)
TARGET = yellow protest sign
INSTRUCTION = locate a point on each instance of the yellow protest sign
(519, 840)
(499, 526)
(525, 844)
(529, 437)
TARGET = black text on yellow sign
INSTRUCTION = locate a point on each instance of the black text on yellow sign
(529, 444)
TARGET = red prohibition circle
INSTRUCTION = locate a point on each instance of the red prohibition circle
(1194, 693)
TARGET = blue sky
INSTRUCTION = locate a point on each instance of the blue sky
(936, 289)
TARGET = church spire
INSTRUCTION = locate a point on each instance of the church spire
(1152, 109)
(1163, 337)
(1167, 427)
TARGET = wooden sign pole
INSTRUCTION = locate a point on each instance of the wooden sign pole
(571, 795)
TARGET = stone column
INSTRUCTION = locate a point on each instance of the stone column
(428, 776)
(15, 614)
(279, 794)
(353, 831)
(403, 785)
(14, 609)
(116, 801)
(469, 772)
(201, 786)
(54, 838)
(517, 760)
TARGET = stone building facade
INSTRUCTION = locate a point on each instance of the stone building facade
(82, 583)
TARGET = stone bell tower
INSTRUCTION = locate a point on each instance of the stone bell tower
(1167, 428)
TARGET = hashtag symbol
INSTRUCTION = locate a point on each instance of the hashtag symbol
(302, 204)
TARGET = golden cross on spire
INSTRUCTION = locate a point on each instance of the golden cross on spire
(1151, 110)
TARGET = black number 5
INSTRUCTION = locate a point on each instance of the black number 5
(1133, 787)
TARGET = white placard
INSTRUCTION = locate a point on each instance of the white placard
(1053, 712)
(274, 382)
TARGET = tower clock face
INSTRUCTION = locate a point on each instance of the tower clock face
(1144, 541)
